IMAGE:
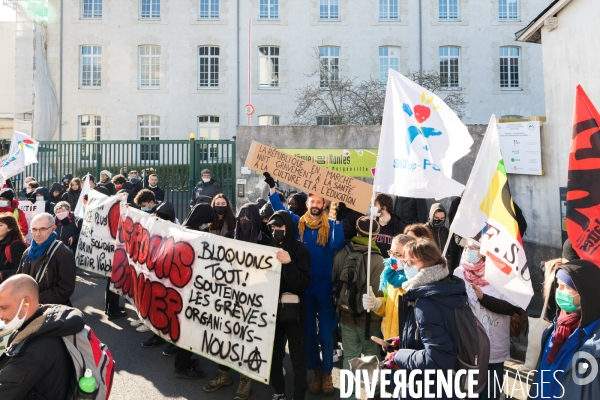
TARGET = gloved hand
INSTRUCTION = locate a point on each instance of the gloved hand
(269, 179)
(388, 362)
(393, 345)
(342, 211)
(370, 302)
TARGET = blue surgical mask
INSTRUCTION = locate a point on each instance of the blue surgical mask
(410, 272)
(146, 209)
(472, 256)
(133, 180)
(4, 203)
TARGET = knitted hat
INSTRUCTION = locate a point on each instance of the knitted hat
(105, 172)
(362, 226)
(564, 276)
(8, 194)
(568, 253)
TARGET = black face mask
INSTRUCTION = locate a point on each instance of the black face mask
(221, 210)
(293, 209)
(278, 236)
(438, 223)
(246, 227)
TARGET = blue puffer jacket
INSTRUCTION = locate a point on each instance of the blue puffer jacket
(430, 309)
(321, 257)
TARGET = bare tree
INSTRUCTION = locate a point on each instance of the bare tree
(435, 83)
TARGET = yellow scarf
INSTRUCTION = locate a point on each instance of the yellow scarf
(322, 224)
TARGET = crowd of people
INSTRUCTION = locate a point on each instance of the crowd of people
(409, 303)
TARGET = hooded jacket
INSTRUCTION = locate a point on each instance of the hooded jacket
(586, 338)
(16, 250)
(72, 197)
(49, 207)
(69, 227)
(165, 210)
(387, 232)
(56, 186)
(127, 187)
(209, 189)
(295, 276)
(439, 234)
(199, 215)
(251, 211)
(109, 186)
(39, 365)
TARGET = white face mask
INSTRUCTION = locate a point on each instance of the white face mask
(205, 180)
(62, 215)
(4, 203)
(39, 198)
(410, 272)
(16, 322)
(472, 256)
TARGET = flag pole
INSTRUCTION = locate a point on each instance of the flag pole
(450, 234)
(370, 240)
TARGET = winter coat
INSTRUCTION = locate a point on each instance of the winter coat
(22, 194)
(49, 207)
(109, 186)
(390, 307)
(72, 198)
(295, 276)
(430, 310)
(439, 234)
(210, 190)
(387, 232)
(349, 223)
(348, 318)
(20, 215)
(56, 186)
(70, 227)
(39, 365)
(158, 193)
(16, 250)
(321, 257)
(410, 210)
(137, 186)
(58, 283)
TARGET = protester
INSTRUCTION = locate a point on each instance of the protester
(357, 326)
(294, 280)
(42, 194)
(153, 185)
(206, 189)
(92, 180)
(24, 190)
(247, 229)
(297, 204)
(576, 328)
(428, 325)
(56, 192)
(127, 188)
(492, 309)
(437, 226)
(118, 181)
(12, 245)
(39, 365)
(200, 218)
(49, 262)
(31, 186)
(224, 220)
(72, 194)
(266, 211)
(322, 237)
(66, 181)
(145, 200)
(9, 204)
(388, 221)
(411, 210)
(105, 180)
(68, 226)
(134, 178)
(419, 230)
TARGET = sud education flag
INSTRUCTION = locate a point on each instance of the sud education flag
(486, 213)
(583, 188)
(421, 138)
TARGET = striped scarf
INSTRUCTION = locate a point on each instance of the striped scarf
(322, 224)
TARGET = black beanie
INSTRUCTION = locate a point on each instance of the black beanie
(568, 253)
(8, 194)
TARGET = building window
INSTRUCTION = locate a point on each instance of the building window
(149, 67)
(388, 10)
(149, 129)
(265, 120)
(90, 130)
(208, 127)
(329, 65)
(388, 59)
(268, 67)
(208, 67)
(209, 9)
(509, 68)
(269, 9)
(329, 9)
(149, 9)
(450, 67)
(508, 10)
(90, 75)
(327, 120)
(91, 9)
(448, 10)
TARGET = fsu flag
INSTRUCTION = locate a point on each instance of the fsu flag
(583, 188)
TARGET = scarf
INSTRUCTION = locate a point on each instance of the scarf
(364, 241)
(474, 273)
(426, 276)
(36, 250)
(322, 224)
(565, 325)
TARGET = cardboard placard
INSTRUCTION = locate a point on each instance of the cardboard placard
(310, 177)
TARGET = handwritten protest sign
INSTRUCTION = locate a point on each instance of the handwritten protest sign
(310, 177)
(96, 247)
(214, 296)
(31, 210)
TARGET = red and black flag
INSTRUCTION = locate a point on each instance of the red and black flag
(583, 195)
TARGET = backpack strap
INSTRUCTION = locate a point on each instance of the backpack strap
(51, 250)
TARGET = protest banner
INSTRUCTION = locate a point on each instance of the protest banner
(213, 296)
(96, 247)
(310, 177)
(31, 210)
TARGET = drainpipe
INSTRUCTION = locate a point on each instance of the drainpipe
(60, 106)
(420, 39)
(238, 63)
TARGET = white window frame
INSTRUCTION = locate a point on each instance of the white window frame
(271, 120)
(209, 61)
(449, 58)
(152, 14)
(332, 62)
(511, 60)
(213, 12)
(329, 10)
(504, 10)
(272, 9)
(447, 15)
(326, 118)
(149, 132)
(93, 125)
(94, 60)
(389, 10)
(268, 67)
(95, 5)
(207, 132)
(387, 62)
(149, 63)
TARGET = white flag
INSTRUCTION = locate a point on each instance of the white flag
(421, 138)
(80, 208)
(486, 213)
(23, 152)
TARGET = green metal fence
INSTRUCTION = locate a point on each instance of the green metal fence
(177, 163)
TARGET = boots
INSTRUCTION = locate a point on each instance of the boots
(326, 383)
(223, 378)
(315, 385)
(243, 392)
